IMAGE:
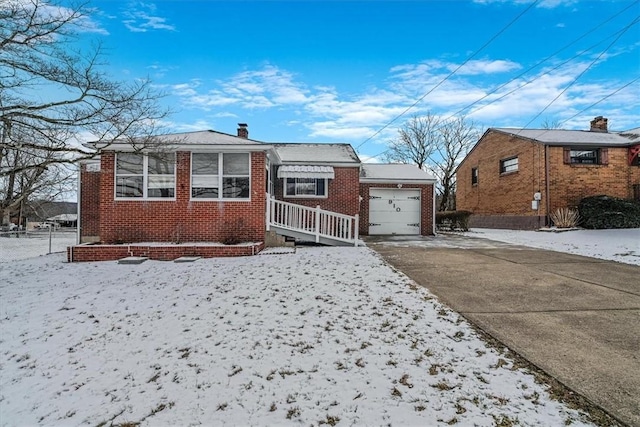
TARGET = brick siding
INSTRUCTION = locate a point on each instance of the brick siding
(89, 204)
(85, 253)
(182, 219)
(504, 200)
(342, 194)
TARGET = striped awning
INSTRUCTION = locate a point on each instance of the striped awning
(304, 171)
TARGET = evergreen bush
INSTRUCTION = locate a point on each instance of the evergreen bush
(601, 212)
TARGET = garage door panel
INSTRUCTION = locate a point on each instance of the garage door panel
(394, 211)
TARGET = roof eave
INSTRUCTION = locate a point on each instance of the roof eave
(397, 181)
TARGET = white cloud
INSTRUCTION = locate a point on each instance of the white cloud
(141, 17)
(373, 115)
(547, 4)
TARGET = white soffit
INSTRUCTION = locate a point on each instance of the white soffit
(304, 171)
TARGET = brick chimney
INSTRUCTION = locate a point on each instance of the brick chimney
(243, 132)
(599, 124)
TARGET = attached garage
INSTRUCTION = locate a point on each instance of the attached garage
(394, 211)
(396, 199)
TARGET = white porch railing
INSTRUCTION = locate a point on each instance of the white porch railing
(315, 222)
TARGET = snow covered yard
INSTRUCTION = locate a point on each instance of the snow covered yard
(321, 336)
(34, 243)
(621, 245)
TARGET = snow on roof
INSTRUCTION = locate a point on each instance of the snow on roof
(211, 137)
(205, 137)
(316, 153)
(576, 137)
(393, 172)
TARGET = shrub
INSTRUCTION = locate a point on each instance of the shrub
(609, 212)
(453, 220)
(565, 218)
(234, 232)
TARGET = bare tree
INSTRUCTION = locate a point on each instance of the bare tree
(53, 93)
(416, 141)
(457, 136)
(436, 146)
(550, 124)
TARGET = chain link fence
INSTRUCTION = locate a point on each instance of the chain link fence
(17, 245)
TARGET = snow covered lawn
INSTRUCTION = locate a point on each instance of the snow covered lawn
(622, 245)
(34, 244)
(321, 336)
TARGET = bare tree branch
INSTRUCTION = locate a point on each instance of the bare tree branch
(53, 95)
(437, 147)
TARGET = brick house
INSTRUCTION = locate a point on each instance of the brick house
(214, 194)
(514, 178)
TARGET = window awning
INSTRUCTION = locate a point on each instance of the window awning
(304, 171)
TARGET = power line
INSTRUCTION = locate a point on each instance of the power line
(564, 121)
(541, 62)
(632, 23)
(450, 74)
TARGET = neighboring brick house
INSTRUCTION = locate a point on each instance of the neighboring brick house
(206, 188)
(514, 178)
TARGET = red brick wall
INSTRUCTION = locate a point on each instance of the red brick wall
(504, 200)
(496, 193)
(182, 219)
(85, 253)
(342, 194)
(569, 182)
(426, 197)
(89, 203)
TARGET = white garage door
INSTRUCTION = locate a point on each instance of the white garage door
(394, 211)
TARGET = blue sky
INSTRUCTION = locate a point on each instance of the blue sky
(334, 71)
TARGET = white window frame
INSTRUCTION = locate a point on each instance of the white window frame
(508, 165)
(221, 176)
(145, 178)
(306, 196)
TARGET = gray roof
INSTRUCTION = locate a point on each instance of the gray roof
(208, 137)
(200, 138)
(310, 154)
(576, 137)
(393, 172)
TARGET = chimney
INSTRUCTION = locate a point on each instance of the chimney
(599, 124)
(243, 132)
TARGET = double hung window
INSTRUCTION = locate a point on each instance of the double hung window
(220, 176)
(306, 187)
(145, 176)
(509, 165)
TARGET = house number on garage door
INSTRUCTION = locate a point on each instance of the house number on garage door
(394, 205)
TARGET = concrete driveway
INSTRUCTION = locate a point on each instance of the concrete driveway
(577, 318)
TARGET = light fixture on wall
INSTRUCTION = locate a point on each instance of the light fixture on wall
(399, 185)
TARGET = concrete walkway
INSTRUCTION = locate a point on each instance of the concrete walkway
(577, 318)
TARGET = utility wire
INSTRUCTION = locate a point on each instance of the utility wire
(450, 74)
(540, 63)
(632, 23)
(525, 72)
(564, 121)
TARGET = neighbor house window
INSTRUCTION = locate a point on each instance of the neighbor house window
(509, 165)
(586, 156)
(220, 175)
(305, 187)
(474, 176)
(145, 176)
